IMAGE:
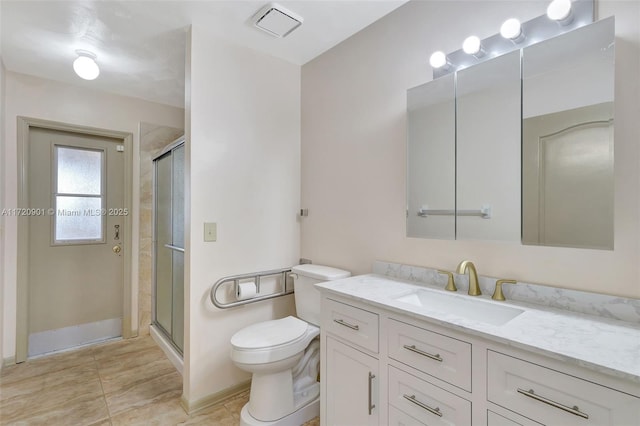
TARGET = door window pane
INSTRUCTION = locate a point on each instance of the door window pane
(78, 218)
(79, 171)
(78, 195)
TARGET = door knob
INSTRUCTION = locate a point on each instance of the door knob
(116, 249)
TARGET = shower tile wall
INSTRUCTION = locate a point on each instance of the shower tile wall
(153, 138)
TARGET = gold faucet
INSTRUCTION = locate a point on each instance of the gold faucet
(497, 293)
(451, 284)
(474, 288)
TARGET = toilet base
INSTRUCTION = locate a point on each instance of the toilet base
(297, 418)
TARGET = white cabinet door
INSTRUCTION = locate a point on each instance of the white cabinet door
(352, 386)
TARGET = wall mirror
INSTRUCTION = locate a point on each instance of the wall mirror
(522, 151)
(431, 159)
(567, 123)
(488, 149)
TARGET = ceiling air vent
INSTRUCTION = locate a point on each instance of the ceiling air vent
(276, 20)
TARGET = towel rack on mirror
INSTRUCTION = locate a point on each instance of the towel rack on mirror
(484, 212)
(256, 276)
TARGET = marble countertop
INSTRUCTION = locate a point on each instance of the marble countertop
(605, 345)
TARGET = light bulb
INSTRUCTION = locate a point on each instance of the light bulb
(85, 66)
(438, 59)
(511, 29)
(471, 45)
(559, 10)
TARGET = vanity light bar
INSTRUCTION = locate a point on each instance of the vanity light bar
(581, 13)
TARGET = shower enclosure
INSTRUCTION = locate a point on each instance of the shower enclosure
(168, 243)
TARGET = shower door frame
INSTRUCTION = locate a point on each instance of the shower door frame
(165, 151)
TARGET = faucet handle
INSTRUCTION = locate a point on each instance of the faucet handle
(498, 294)
(451, 285)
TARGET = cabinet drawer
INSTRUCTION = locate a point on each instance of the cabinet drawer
(494, 419)
(355, 325)
(440, 356)
(398, 418)
(551, 398)
(425, 402)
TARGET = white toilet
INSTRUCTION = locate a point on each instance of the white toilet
(284, 356)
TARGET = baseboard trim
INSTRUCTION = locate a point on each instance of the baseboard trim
(215, 398)
(8, 361)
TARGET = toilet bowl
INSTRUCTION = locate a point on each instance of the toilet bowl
(283, 356)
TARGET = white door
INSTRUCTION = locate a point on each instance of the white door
(76, 238)
(352, 386)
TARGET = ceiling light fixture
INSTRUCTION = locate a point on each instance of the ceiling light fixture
(560, 11)
(512, 29)
(85, 65)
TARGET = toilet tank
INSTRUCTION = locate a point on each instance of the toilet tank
(307, 296)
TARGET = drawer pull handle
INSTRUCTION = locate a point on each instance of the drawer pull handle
(413, 348)
(346, 324)
(573, 410)
(413, 399)
(371, 377)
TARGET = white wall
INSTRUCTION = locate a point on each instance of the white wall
(243, 150)
(353, 150)
(2, 92)
(49, 100)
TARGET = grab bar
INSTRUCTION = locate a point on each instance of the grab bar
(256, 279)
(176, 248)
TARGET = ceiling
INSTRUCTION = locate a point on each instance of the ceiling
(140, 45)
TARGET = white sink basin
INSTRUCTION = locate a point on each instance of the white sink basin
(465, 307)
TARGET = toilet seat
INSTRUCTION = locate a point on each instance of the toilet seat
(272, 341)
(268, 334)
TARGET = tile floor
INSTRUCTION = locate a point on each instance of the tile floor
(121, 383)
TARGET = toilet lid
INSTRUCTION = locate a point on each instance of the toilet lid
(269, 333)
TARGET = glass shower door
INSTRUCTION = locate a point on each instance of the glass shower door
(169, 244)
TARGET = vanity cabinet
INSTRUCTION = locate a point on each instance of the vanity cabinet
(416, 372)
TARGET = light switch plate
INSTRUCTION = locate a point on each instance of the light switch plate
(210, 232)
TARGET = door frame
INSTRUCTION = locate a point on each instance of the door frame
(24, 125)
